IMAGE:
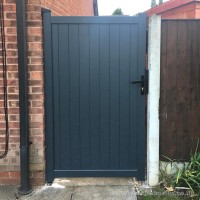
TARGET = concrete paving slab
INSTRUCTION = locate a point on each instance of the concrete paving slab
(8, 192)
(104, 193)
(94, 181)
(77, 189)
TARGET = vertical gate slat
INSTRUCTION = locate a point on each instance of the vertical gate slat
(84, 95)
(140, 110)
(94, 96)
(198, 83)
(64, 96)
(74, 95)
(114, 96)
(104, 96)
(171, 132)
(133, 94)
(56, 88)
(163, 92)
(192, 84)
(124, 95)
(48, 78)
(181, 82)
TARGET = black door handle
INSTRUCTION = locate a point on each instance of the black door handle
(138, 81)
(142, 84)
(144, 81)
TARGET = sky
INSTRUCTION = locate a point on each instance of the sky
(129, 7)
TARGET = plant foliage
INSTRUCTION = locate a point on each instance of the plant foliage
(153, 3)
(118, 11)
(189, 176)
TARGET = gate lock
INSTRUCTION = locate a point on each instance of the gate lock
(143, 82)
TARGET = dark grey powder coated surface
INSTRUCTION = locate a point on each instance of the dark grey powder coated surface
(95, 117)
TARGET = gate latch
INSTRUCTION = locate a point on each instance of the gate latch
(143, 82)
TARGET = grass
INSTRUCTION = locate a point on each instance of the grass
(188, 176)
(159, 193)
(163, 197)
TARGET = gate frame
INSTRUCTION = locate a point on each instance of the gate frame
(46, 14)
(47, 20)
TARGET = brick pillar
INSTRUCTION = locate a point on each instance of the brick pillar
(36, 91)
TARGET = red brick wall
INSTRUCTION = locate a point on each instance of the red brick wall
(36, 90)
(189, 10)
(183, 12)
(197, 11)
(9, 166)
(69, 7)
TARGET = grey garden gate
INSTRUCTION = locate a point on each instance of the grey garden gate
(95, 102)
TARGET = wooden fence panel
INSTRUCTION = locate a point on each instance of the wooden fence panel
(180, 83)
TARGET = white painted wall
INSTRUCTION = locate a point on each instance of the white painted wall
(153, 100)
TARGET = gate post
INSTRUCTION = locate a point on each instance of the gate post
(153, 100)
(48, 79)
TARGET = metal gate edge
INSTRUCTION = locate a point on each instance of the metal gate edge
(48, 87)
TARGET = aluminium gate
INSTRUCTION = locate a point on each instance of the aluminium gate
(95, 114)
